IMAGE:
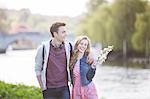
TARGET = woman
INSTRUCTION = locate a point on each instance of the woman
(82, 72)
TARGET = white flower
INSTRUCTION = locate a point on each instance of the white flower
(103, 55)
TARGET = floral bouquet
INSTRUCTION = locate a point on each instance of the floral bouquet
(103, 55)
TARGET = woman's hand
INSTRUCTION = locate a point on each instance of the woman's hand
(102, 56)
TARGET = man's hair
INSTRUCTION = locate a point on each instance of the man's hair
(55, 26)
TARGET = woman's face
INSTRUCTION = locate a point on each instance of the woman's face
(83, 45)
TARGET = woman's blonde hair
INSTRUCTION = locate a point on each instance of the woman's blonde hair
(75, 50)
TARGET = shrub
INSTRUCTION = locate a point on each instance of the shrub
(19, 91)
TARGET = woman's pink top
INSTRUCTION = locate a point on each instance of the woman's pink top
(79, 91)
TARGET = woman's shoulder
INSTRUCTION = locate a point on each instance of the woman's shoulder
(84, 61)
(84, 58)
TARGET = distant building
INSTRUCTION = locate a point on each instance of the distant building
(19, 27)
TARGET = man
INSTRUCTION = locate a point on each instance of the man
(52, 64)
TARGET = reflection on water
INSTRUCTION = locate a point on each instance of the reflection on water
(18, 67)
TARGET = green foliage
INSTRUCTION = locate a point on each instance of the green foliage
(141, 38)
(94, 24)
(2, 21)
(9, 19)
(24, 14)
(124, 17)
(110, 24)
(12, 91)
(93, 4)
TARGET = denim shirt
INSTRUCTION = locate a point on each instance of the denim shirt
(86, 72)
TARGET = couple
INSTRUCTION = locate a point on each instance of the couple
(63, 71)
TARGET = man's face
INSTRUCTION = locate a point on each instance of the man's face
(61, 34)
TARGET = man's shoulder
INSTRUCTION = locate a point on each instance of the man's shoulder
(45, 42)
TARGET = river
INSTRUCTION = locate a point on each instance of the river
(111, 82)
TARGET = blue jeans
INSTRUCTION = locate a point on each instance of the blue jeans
(56, 93)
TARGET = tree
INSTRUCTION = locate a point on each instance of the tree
(24, 14)
(93, 4)
(2, 21)
(141, 37)
(124, 17)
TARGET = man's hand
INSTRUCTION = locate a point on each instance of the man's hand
(40, 81)
(90, 59)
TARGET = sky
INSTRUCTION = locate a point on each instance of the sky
(69, 8)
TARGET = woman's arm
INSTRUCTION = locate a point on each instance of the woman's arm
(91, 73)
